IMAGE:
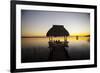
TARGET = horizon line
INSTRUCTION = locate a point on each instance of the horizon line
(59, 36)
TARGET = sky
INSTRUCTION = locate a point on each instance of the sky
(37, 23)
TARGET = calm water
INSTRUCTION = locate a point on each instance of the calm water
(37, 49)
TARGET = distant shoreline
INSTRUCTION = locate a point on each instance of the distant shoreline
(47, 37)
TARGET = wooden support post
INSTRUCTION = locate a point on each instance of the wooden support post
(64, 38)
(49, 38)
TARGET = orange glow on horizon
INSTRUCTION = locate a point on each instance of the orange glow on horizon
(43, 34)
(79, 34)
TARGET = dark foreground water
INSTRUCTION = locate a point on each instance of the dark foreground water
(37, 50)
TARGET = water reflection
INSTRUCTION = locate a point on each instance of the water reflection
(38, 49)
(58, 50)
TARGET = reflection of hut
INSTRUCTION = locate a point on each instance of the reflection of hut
(57, 30)
(57, 47)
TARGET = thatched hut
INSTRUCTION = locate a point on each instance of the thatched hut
(58, 47)
(56, 31)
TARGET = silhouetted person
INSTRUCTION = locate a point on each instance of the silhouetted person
(77, 37)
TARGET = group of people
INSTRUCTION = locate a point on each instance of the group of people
(57, 41)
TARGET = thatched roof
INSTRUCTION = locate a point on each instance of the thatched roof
(57, 30)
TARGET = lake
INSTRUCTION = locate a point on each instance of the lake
(37, 49)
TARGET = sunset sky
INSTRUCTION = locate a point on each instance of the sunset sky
(37, 23)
